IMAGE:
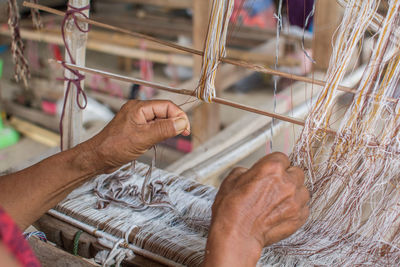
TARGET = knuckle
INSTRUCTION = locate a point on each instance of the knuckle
(274, 167)
(298, 172)
(163, 129)
(279, 155)
(306, 213)
(169, 102)
(306, 194)
(294, 208)
(125, 107)
(141, 105)
(289, 191)
(237, 171)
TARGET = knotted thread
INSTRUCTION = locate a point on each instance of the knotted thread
(21, 71)
(214, 47)
(78, 77)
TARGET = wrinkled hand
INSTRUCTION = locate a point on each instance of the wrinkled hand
(255, 208)
(137, 127)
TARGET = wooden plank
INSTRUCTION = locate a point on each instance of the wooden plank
(35, 132)
(109, 47)
(129, 47)
(51, 256)
(76, 41)
(327, 18)
(63, 234)
(171, 27)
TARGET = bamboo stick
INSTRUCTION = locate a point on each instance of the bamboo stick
(255, 67)
(182, 92)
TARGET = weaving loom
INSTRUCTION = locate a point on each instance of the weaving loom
(351, 169)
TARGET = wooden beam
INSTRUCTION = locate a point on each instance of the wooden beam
(36, 116)
(327, 18)
(35, 132)
(206, 118)
(76, 41)
(129, 47)
(63, 234)
(171, 27)
(50, 256)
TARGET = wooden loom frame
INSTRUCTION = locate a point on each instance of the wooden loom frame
(73, 139)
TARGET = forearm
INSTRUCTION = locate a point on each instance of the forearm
(28, 194)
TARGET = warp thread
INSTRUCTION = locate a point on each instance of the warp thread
(72, 13)
(214, 47)
(355, 213)
(179, 236)
(147, 74)
(118, 253)
(115, 188)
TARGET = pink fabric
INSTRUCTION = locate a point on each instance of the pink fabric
(49, 107)
(12, 238)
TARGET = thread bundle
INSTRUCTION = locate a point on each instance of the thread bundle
(214, 47)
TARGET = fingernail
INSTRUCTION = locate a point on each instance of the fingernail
(180, 124)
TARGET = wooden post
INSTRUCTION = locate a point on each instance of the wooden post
(76, 41)
(328, 15)
(206, 117)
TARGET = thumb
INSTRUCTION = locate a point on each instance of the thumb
(168, 128)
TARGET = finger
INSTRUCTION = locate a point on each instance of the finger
(160, 130)
(235, 174)
(303, 196)
(283, 230)
(296, 175)
(229, 182)
(173, 112)
(274, 161)
(110, 171)
(161, 109)
(305, 214)
(279, 157)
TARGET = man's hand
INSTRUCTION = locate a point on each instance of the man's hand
(255, 208)
(137, 127)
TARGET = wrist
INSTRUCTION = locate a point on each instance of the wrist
(87, 160)
(227, 247)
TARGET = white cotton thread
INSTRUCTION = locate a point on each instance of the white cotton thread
(215, 47)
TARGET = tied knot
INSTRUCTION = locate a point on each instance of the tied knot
(72, 13)
(76, 78)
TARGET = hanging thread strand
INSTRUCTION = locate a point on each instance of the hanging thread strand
(72, 13)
